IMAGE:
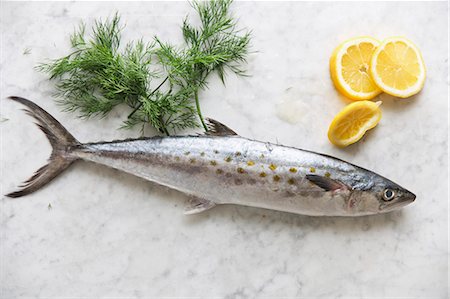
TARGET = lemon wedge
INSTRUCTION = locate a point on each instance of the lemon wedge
(349, 68)
(397, 67)
(352, 122)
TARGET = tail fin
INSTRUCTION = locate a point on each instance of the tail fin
(61, 141)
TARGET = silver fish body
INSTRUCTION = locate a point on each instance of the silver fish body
(224, 168)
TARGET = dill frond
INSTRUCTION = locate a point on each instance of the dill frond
(98, 75)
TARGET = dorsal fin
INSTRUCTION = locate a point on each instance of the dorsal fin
(216, 128)
(326, 184)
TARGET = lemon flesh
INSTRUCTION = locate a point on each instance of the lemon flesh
(397, 67)
(350, 68)
(352, 122)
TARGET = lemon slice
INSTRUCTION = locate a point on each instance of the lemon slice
(350, 124)
(397, 67)
(349, 68)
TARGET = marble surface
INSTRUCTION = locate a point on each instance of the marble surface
(95, 232)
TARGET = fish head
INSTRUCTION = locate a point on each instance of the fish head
(392, 197)
(375, 194)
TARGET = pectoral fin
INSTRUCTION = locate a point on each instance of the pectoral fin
(327, 184)
(198, 205)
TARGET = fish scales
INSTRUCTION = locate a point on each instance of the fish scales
(177, 162)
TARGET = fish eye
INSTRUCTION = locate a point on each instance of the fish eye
(388, 194)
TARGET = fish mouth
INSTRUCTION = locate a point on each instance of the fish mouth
(398, 203)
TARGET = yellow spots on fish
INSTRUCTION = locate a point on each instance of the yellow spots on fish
(250, 163)
(202, 154)
(228, 159)
(293, 169)
(186, 153)
(291, 181)
(192, 160)
(219, 171)
(240, 170)
(216, 151)
(213, 163)
(327, 174)
(276, 178)
(238, 154)
(263, 174)
(272, 167)
(312, 169)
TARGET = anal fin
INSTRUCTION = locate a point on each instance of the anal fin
(198, 205)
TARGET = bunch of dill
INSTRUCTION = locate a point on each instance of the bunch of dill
(160, 82)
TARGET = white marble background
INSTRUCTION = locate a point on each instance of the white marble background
(96, 232)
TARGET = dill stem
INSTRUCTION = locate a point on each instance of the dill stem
(164, 129)
(199, 112)
(141, 103)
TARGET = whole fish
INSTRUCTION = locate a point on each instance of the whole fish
(222, 167)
